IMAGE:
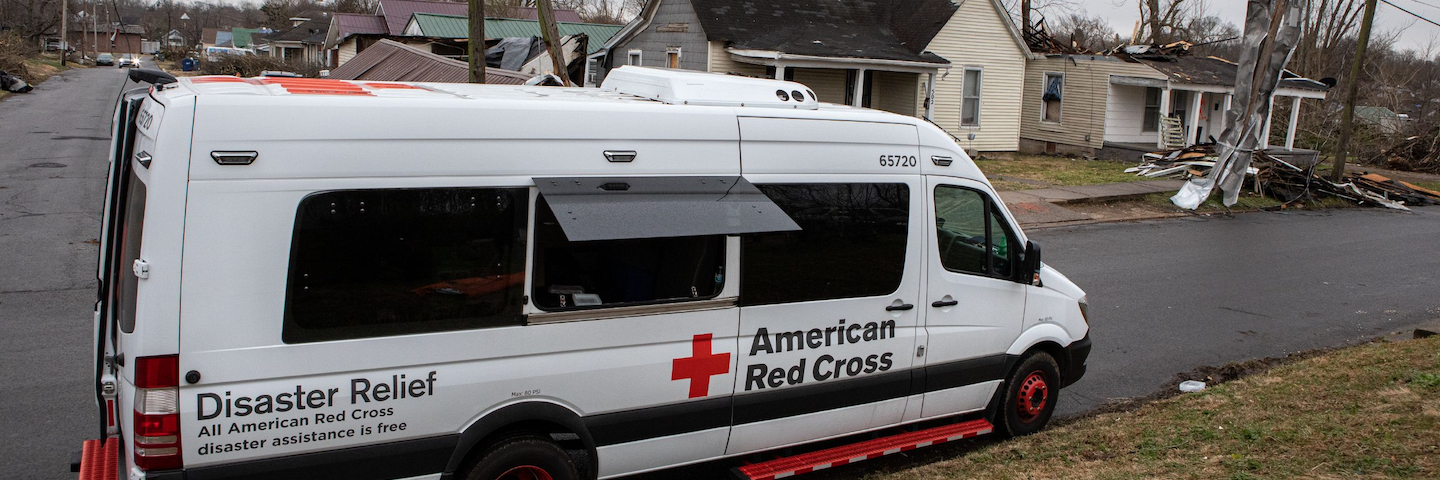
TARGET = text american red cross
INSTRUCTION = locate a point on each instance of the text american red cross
(700, 366)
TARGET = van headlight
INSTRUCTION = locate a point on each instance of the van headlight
(1085, 309)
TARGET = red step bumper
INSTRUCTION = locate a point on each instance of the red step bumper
(100, 462)
(858, 452)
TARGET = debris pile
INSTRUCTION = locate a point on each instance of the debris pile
(1184, 163)
(1415, 154)
(1284, 181)
(14, 84)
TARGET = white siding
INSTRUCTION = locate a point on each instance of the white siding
(828, 84)
(1124, 112)
(720, 62)
(894, 92)
(978, 36)
(345, 51)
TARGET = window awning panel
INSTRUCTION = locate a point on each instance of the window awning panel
(614, 208)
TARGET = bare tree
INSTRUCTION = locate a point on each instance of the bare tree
(1088, 33)
(1165, 21)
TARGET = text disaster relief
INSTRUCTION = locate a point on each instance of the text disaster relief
(362, 391)
(825, 367)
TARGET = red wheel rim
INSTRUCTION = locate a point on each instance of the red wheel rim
(1034, 394)
(525, 472)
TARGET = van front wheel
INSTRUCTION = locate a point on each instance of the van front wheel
(1030, 395)
(528, 457)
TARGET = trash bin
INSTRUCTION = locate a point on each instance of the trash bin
(187, 64)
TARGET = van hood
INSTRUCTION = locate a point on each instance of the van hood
(1054, 280)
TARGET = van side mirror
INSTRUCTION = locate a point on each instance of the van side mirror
(1029, 271)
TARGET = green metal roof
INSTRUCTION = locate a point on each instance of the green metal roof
(241, 36)
(454, 26)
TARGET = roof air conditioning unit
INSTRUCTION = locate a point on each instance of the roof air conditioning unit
(679, 87)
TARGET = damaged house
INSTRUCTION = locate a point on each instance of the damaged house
(960, 64)
(1139, 99)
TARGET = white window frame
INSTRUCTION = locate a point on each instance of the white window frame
(979, 97)
(636, 57)
(672, 50)
(1044, 84)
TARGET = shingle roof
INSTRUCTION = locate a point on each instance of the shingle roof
(343, 25)
(388, 60)
(453, 26)
(1216, 71)
(207, 35)
(889, 30)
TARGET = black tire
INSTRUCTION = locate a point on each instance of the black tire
(1030, 396)
(514, 457)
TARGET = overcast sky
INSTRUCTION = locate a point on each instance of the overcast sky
(1414, 33)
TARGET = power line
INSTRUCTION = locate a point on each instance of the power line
(1431, 5)
(1413, 14)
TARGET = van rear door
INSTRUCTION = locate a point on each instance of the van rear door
(117, 194)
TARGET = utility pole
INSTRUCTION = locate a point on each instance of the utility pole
(1348, 116)
(64, 32)
(551, 34)
(477, 41)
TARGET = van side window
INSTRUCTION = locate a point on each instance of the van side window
(606, 273)
(131, 230)
(972, 236)
(370, 263)
(851, 244)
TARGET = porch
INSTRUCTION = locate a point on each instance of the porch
(1130, 152)
(1136, 108)
(903, 87)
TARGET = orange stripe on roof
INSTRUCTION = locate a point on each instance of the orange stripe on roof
(391, 85)
(217, 79)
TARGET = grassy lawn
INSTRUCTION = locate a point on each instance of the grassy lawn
(1034, 171)
(1430, 185)
(1371, 411)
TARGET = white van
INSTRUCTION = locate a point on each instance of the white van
(305, 278)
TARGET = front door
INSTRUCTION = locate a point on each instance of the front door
(973, 308)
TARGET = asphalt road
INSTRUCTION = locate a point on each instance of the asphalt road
(1167, 296)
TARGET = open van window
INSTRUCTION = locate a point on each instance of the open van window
(131, 231)
(852, 244)
(605, 273)
(369, 263)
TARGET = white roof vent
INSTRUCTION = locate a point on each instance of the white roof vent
(680, 87)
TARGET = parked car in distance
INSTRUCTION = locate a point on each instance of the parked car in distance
(128, 60)
(104, 59)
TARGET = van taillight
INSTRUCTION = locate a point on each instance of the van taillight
(157, 412)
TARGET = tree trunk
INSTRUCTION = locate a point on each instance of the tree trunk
(477, 41)
(1346, 118)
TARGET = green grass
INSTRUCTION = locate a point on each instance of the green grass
(1371, 411)
(1058, 171)
(1430, 185)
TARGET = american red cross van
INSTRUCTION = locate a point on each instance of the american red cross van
(305, 278)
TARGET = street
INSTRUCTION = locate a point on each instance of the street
(1166, 296)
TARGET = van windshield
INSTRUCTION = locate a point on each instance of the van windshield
(131, 229)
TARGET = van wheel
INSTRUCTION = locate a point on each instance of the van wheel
(526, 457)
(1030, 396)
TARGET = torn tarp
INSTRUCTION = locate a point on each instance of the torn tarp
(1269, 42)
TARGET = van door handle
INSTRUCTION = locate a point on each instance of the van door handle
(903, 306)
(945, 303)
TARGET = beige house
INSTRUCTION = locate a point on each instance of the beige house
(960, 65)
(1113, 106)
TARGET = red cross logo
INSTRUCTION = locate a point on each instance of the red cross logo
(700, 366)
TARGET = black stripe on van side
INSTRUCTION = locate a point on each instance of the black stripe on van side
(661, 421)
(408, 458)
(666, 420)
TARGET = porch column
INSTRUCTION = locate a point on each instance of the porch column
(779, 71)
(1265, 132)
(1294, 120)
(1164, 112)
(1192, 124)
(1226, 107)
(859, 87)
(930, 97)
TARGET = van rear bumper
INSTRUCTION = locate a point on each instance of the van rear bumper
(1076, 354)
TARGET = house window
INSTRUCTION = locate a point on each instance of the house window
(1151, 122)
(970, 105)
(672, 57)
(1051, 97)
(634, 58)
